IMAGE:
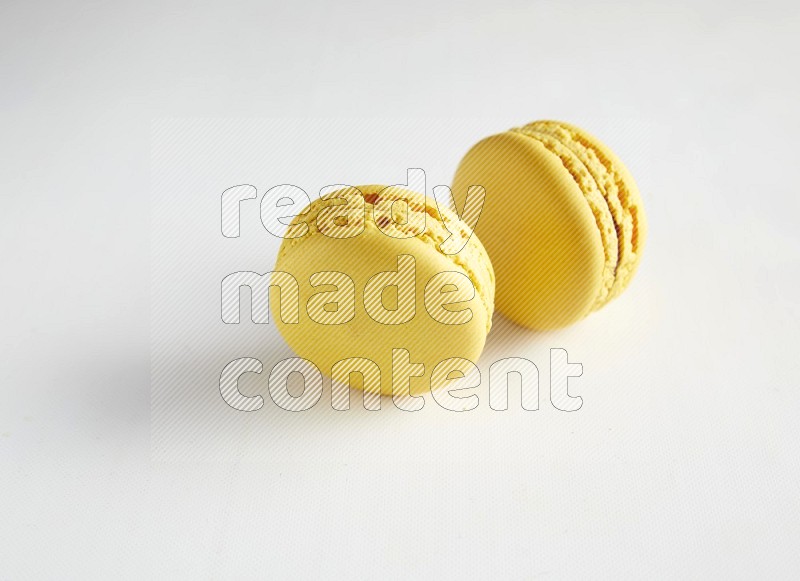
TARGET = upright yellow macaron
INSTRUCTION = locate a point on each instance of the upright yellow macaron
(421, 283)
(563, 221)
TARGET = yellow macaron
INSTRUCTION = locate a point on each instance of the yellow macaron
(385, 247)
(563, 221)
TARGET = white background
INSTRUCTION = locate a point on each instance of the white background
(682, 462)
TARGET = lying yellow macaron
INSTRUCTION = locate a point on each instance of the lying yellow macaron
(379, 294)
(563, 221)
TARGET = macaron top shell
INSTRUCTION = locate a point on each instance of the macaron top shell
(537, 227)
(596, 199)
(377, 247)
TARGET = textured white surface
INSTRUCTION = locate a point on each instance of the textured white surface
(682, 461)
